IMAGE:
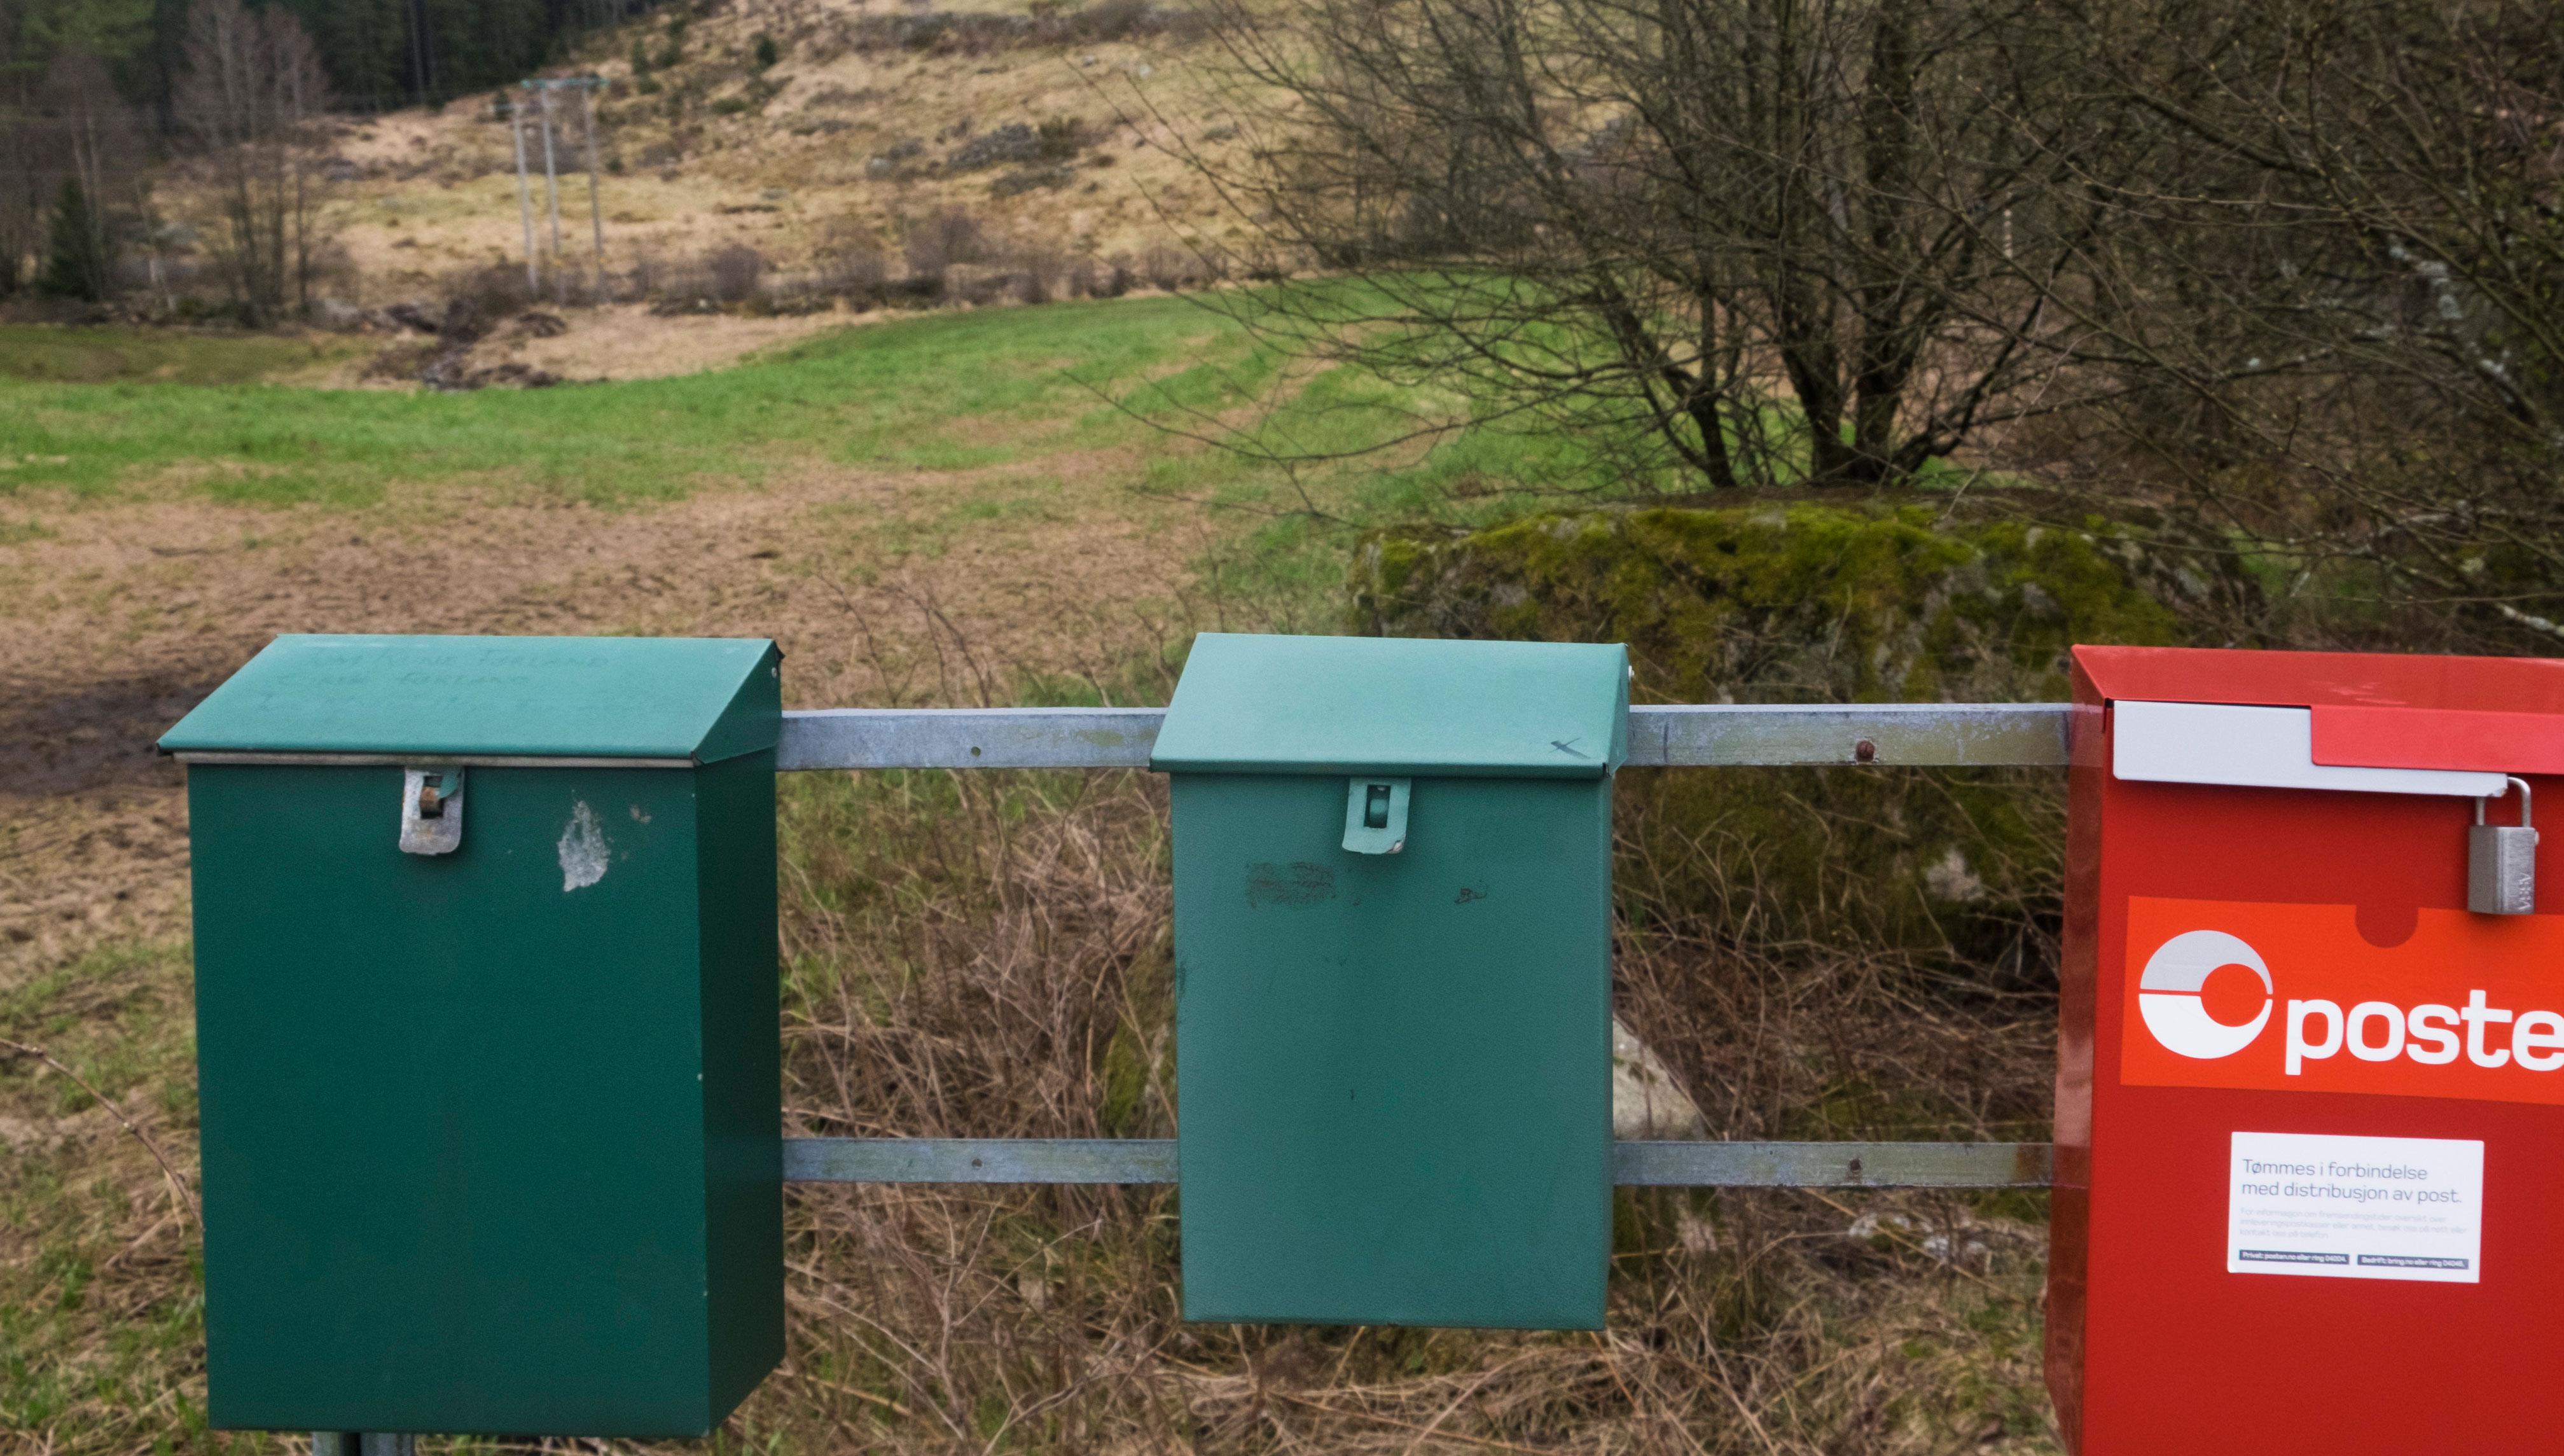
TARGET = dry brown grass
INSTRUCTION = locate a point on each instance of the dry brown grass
(438, 189)
(988, 955)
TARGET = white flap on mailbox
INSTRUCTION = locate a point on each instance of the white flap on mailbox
(2257, 748)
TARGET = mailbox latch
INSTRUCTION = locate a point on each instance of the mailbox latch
(431, 819)
(1376, 815)
(2502, 862)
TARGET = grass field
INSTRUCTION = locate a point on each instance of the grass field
(943, 392)
(960, 507)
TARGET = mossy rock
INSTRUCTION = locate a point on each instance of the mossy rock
(1817, 603)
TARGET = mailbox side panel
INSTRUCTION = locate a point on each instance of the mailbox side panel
(1394, 1070)
(2177, 1354)
(453, 1126)
(742, 1076)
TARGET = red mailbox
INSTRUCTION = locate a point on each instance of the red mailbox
(2310, 1105)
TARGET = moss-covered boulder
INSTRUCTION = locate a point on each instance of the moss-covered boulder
(1803, 603)
(1810, 603)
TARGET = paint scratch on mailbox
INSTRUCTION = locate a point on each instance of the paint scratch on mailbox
(1297, 883)
(583, 851)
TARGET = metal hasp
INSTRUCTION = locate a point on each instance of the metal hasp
(431, 814)
(491, 1135)
(2502, 862)
(2303, 1097)
(1375, 814)
(1395, 1069)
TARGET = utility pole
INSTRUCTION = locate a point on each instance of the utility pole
(595, 211)
(552, 180)
(552, 191)
(524, 202)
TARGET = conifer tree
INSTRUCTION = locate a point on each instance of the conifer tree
(80, 259)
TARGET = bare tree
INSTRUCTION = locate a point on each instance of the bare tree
(89, 141)
(2334, 304)
(1778, 239)
(252, 100)
(22, 173)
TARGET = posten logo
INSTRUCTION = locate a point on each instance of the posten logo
(2205, 994)
(2293, 999)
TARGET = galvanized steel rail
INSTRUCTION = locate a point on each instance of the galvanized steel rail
(1700, 1165)
(1715, 736)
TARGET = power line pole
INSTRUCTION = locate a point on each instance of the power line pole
(552, 180)
(595, 211)
(525, 201)
(552, 187)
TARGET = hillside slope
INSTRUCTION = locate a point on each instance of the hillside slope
(1044, 130)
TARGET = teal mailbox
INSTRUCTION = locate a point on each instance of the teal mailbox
(487, 1033)
(1392, 978)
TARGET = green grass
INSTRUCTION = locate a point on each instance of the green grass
(938, 392)
(1009, 402)
(942, 393)
(170, 357)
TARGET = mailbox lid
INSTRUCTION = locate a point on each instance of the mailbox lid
(2364, 710)
(683, 699)
(1252, 704)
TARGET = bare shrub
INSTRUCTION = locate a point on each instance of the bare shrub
(1110, 20)
(850, 262)
(1171, 269)
(1116, 276)
(490, 293)
(734, 272)
(1038, 270)
(1060, 139)
(931, 245)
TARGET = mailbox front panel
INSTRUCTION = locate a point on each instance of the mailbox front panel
(1395, 1069)
(489, 1137)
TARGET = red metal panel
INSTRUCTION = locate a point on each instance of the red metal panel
(2313, 679)
(2153, 1347)
(2434, 738)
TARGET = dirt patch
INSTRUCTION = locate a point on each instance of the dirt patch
(619, 341)
(627, 341)
(123, 617)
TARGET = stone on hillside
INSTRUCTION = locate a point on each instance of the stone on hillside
(1015, 142)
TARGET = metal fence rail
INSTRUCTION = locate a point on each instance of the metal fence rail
(1633, 1164)
(1716, 735)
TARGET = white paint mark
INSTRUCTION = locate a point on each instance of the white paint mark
(583, 855)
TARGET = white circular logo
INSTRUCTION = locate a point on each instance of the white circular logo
(2175, 995)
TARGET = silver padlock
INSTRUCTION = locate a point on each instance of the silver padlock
(2501, 863)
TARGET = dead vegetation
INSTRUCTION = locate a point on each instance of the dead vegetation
(988, 955)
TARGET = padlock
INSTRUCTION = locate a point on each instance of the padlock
(2501, 863)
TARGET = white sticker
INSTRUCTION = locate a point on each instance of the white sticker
(2355, 1207)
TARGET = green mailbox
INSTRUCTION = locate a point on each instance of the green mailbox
(487, 1033)
(1392, 978)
